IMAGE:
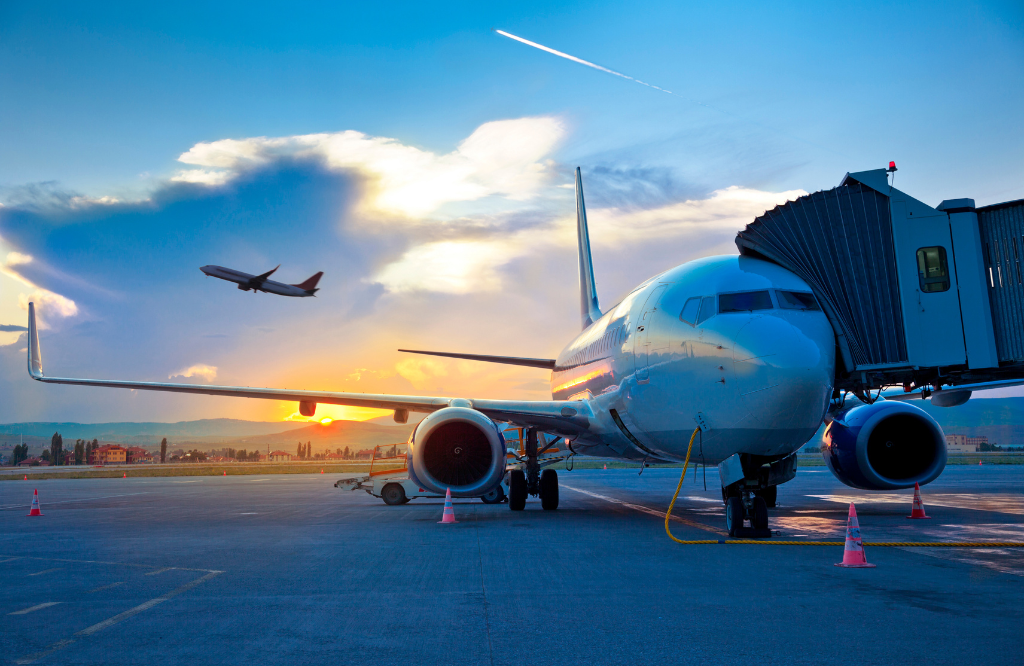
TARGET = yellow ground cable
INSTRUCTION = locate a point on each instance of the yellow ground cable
(895, 544)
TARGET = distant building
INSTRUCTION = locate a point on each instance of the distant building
(137, 455)
(280, 456)
(34, 462)
(964, 444)
(110, 454)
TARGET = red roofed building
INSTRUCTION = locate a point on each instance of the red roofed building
(111, 454)
(137, 454)
(280, 456)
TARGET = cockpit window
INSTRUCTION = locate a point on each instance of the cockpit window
(690, 309)
(797, 300)
(707, 309)
(744, 301)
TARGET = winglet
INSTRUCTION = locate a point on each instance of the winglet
(35, 360)
(264, 276)
(590, 311)
(310, 284)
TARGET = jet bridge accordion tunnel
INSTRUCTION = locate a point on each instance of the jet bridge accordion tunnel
(916, 295)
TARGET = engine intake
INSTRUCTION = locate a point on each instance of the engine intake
(884, 446)
(457, 448)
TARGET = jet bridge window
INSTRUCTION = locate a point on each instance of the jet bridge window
(796, 300)
(744, 301)
(932, 269)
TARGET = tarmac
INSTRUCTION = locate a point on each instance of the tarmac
(287, 569)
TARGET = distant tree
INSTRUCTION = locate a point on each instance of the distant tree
(45, 455)
(57, 449)
(79, 451)
(20, 453)
(347, 454)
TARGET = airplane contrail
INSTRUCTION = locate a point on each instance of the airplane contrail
(580, 60)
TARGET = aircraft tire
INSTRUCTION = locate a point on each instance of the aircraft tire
(759, 514)
(734, 515)
(496, 496)
(549, 489)
(770, 495)
(393, 494)
(517, 490)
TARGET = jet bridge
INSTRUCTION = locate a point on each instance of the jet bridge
(916, 295)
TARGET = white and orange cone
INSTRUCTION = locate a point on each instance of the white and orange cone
(853, 552)
(918, 510)
(35, 505)
(449, 512)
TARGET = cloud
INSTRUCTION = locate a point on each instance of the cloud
(451, 267)
(48, 304)
(8, 328)
(504, 158)
(207, 372)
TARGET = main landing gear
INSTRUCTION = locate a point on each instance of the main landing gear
(532, 481)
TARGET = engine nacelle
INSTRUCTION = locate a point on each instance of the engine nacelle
(884, 446)
(457, 448)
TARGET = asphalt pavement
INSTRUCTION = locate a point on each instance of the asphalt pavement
(287, 569)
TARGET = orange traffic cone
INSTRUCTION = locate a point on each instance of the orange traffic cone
(26, 478)
(225, 472)
(321, 470)
(449, 512)
(853, 552)
(918, 510)
(606, 465)
(35, 505)
(125, 475)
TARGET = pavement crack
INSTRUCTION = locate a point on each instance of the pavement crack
(483, 588)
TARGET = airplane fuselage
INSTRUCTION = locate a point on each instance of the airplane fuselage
(737, 340)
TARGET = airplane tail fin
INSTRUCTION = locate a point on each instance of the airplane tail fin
(35, 359)
(590, 311)
(310, 284)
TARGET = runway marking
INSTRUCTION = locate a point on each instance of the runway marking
(158, 571)
(100, 626)
(255, 480)
(192, 481)
(120, 564)
(248, 513)
(9, 559)
(106, 587)
(647, 510)
(84, 499)
(44, 571)
(26, 611)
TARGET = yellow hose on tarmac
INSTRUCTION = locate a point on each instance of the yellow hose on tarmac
(899, 544)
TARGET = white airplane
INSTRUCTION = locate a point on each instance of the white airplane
(735, 346)
(247, 282)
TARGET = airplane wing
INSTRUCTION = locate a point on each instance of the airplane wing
(566, 418)
(548, 363)
(262, 277)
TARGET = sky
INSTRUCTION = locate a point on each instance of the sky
(425, 163)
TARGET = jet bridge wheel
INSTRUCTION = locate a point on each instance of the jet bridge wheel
(549, 489)
(393, 494)
(496, 496)
(517, 490)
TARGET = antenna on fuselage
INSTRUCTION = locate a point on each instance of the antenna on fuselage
(590, 311)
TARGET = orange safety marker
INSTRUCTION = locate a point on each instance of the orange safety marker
(918, 509)
(26, 478)
(449, 512)
(125, 475)
(606, 465)
(853, 551)
(225, 472)
(35, 505)
(321, 470)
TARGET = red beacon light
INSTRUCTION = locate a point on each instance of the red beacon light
(892, 167)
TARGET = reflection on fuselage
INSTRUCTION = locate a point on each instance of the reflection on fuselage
(755, 357)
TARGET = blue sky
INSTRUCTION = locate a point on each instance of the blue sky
(364, 144)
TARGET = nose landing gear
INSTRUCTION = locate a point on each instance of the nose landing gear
(742, 506)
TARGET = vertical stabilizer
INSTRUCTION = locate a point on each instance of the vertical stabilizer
(590, 311)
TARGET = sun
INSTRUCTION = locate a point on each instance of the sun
(326, 421)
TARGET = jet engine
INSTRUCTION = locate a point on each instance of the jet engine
(884, 446)
(457, 448)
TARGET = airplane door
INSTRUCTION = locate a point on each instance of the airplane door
(642, 342)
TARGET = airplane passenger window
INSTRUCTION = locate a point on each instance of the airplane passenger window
(744, 301)
(932, 269)
(797, 300)
(690, 309)
(707, 309)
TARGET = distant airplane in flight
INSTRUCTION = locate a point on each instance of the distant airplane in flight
(247, 282)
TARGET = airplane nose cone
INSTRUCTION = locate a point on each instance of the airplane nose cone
(785, 367)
